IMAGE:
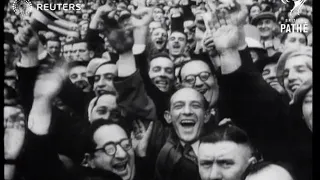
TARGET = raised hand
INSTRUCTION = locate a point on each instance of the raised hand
(145, 16)
(14, 132)
(49, 84)
(226, 38)
(140, 137)
(27, 39)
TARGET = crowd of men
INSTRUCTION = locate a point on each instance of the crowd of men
(158, 90)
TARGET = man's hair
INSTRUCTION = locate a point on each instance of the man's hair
(227, 132)
(160, 54)
(285, 36)
(260, 166)
(230, 132)
(77, 63)
(68, 43)
(53, 39)
(158, 7)
(177, 31)
(253, 5)
(80, 41)
(304, 16)
(76, 41)
(90, 144)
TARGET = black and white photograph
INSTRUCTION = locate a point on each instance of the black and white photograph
(158, 89)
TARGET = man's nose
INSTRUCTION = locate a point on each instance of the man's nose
(120, 153)
(101, 83)
(292, 76)
(198, 82)
(215, 173)
(187, 110)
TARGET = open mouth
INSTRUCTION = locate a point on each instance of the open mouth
(188, 123)
(120, 168)
(162, 83)
(159, 41)
(202, 90)
(102, 92)
(176, 46)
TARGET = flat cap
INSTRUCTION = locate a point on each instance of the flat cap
(263, 15)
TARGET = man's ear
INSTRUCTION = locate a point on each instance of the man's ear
(252, 160)
(167, 117)
(91, 54)
(207, 115)
(87, 161)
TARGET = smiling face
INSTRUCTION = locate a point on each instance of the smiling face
(123, 162)
(106, 108)
(161, 73)
(269, 75)
(224, 160)
(78, 77)
(295, 40)
(205, 83)
(187, 114)
(103, 79)
(159, 38)
(307, 109)
(255, 10)
(265, 27)
(296, 72)
(176, 44)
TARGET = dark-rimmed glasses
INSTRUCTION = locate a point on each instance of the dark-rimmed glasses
(191, 79)
(110, 148)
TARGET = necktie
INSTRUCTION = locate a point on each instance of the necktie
(189, 153)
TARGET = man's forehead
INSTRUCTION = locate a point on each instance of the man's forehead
(194, 66)
(296, 34)
(107, 68)
(186, 94)
(300, 60)
(159, 29)
(161, 61)
(109, 133)
(77, 44)
(223, 149)
(177, 34)
(78, 69)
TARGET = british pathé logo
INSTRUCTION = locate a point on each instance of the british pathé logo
(297, 4)
(22, 7)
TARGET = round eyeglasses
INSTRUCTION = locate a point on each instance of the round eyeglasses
(191, 79)
(110, 148)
